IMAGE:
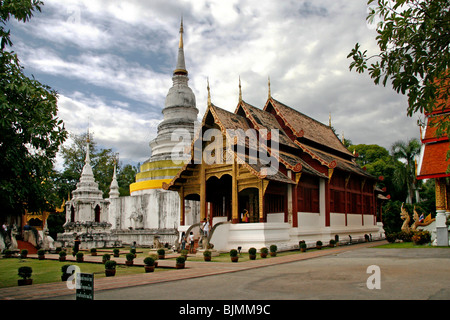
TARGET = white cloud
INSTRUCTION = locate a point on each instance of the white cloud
(113, 127)
(129, 47)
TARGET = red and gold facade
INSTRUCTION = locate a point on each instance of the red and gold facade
(315, 172)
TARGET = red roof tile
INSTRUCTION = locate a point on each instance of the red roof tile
(433, 163)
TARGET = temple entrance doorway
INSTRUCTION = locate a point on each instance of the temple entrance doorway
(218, 196)
(248, 199)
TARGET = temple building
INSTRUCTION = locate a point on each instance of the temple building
(433, 164)
(259, 176)
(289, 174)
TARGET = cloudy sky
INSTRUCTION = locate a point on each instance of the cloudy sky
(111, 61)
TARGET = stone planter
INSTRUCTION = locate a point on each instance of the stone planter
(41, 257)
(129, 263)
(179, 265)
(149, 269)
(207, 258)
(62, 258)
(24, 282)
(263, 255)
(252, 256)
(110, 272)
(234, 259)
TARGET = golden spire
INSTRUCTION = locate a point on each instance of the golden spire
(268, 83)
(240, 90)
(180, 45)
(209, 93)
(329, 119)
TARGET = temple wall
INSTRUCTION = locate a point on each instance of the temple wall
(157, 209)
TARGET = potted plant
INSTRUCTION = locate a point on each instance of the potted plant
(319, 244)
(25, 273)
(106, 257)
(65, 275)
(116, 252)
(332, 243)
(110, 268)
(273, 250)
(93, 252)
(41, 254)
(180, 262)
(207, 255)
(234, 255)
(133, 251)
(62, 256)
(80, 256)
(302, 246)
(24, 253)
(149, 264)
(161, 253)
(154, 257)
(184, 253)
(263, 252)
(130, 258)
(7, 253)
(252, 253)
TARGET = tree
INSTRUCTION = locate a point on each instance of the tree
(378, 162)
(413, 38)
(30, 132)
(405, 174)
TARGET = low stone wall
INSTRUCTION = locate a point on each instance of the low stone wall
(146, 237)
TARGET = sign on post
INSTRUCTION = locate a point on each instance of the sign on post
(84, 286)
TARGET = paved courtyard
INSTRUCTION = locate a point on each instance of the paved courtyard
(332, 274)
(405, 274)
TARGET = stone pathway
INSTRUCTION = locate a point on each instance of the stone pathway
(193, 269)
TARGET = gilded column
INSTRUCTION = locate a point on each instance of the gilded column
(234, 194)
(202, 192)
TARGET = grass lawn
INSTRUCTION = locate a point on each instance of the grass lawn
(50, 270)
(406, 245)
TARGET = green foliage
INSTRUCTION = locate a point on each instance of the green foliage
(30, 132)
(273, 248)
(252, 251)
(405, 173)
(180, 260)
(25, 272)
(130, 256)
(149, 261)
(41, 252)
(233, 253)
(62, 253)
(264, 250)
(110, 264)
(414, 52)
(161, 252)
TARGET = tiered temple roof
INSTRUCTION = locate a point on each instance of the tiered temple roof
(305, 145)
(433, 162)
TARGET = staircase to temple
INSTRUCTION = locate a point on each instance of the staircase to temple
(26, 245)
